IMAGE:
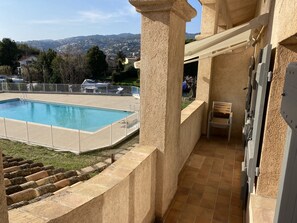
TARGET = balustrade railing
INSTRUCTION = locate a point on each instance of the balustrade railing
(72, 140)
(68, 88)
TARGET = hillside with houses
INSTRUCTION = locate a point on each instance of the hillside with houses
(128, 43)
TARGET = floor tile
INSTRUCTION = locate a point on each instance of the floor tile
(209, 184)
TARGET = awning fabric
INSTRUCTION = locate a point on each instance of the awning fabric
(225, 41)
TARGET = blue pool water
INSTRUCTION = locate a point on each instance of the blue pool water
(67, 116)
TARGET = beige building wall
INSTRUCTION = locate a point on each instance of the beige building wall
(276, 128)
(203, 87)
(162, 54)
(209, 22)
(3, 206)
(190, 130)
(284, 21)
(160, 115)
(124, 192)
(282, 25)
(229, 78)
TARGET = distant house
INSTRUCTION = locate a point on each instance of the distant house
(27, 60)
(24, 62)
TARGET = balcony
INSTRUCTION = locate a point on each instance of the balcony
(127, 190)
(209, 184)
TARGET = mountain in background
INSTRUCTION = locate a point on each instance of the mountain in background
(110, 44)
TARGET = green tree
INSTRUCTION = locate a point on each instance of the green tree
(71, 69)
(44, 64)
(58, 67)
(9, 53)
(25, 50)
(31, 73)
(5, 70)
(189, 41)
(96, 61)
(121, 57)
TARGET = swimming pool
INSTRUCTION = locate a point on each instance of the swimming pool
(67, 116)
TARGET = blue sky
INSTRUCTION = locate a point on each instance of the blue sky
(23, 20)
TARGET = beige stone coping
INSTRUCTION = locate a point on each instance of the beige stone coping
(190, 109)
(87, 195)
(261, 209)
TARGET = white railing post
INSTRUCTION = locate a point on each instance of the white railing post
(27, 131)
(43, 87)
(78, 141)
(126, 126)
(52, 137)
(110, 134)
(56, 87)
(5, 130)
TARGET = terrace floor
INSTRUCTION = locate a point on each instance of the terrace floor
(209, 184)
(126, 103)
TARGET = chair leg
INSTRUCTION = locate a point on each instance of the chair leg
(229, 134)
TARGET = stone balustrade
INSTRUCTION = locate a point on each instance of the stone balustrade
(123, 192)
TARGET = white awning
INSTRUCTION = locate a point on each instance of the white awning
(223, 42)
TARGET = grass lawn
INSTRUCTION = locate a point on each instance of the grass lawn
(66, 160)
(185, 103)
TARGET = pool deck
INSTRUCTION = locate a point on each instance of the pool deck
(114, 102)
(68, 139)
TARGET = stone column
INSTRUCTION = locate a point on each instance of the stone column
(3, 206)
(162, 56)
(209, 24)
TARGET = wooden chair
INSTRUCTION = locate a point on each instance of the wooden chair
(220, 116)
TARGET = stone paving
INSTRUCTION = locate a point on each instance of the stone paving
(209, 184)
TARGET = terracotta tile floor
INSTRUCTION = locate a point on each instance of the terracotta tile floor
(209, 184)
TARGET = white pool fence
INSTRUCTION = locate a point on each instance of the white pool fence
(76, 141)
(68, 88)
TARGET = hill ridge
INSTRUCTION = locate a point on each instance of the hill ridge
(129, 43)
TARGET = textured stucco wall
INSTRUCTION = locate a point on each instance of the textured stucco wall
(3, 207)
(124, 192)
(162, 54)
(275, 127)
(209, 21)
(284, 21)
(263, 6)
(161, 97)
(190, 130)
(203, 87)
(229, 77)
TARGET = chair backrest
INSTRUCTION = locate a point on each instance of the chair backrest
(219, 107)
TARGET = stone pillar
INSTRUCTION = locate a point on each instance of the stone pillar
(162, 56)
(209, 25)
(3, 206)
(209, 19)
